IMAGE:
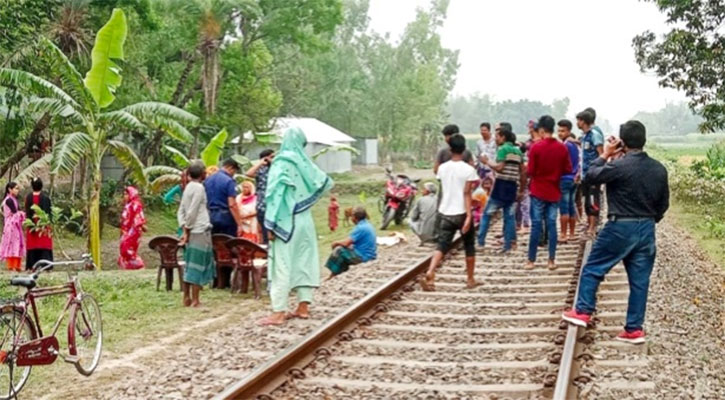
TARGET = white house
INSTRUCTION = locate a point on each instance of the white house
(319, 137)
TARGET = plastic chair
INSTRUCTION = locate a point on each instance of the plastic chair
(246, 253)
(225, 260)
(168, 247)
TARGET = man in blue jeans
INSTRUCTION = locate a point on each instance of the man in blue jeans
(548, 162)
(509, 186)
(637, 197)
(567, 206)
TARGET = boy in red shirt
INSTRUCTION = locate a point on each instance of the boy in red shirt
(548, 161)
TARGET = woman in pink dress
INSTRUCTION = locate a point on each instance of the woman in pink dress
(247, 202)
(12, 247)
(133, 224)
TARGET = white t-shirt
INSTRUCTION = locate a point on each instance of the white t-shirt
(488, 148)
(453, 176)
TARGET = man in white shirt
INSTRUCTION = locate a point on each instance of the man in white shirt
(457, 180)
(486, 146)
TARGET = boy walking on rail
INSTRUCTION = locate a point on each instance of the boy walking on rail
(457, 180)
(637, 197)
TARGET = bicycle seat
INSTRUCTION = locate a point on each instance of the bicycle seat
(24, 281)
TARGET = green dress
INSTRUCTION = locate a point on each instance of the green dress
(294, 185)
(294, 265)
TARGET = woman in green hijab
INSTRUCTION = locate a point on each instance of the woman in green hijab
(294, 185)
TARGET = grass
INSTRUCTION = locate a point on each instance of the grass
(690, 216)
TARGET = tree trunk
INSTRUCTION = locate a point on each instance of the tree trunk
(73, 184)
(94, 213)
(176, 97)
(83, 172)
(195, 145)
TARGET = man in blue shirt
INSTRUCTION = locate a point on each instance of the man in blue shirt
(221, 194)
(358, 248)
(592, 146)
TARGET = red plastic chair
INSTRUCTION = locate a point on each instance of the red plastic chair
(225, 260)
(246, 252)
(168, 248)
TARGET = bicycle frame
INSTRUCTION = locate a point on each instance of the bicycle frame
(45, 349)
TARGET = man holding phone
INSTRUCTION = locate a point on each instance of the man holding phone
(637, 197)
(259, 172)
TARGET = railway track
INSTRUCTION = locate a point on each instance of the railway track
(503, 339)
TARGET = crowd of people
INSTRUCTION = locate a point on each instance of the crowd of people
(532, 184)
(543, 178)
(274, 211)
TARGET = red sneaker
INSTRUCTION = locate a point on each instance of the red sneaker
(634, 337)
(576, 318)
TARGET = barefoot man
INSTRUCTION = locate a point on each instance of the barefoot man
(457, 180)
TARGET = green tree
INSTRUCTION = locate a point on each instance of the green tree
(93, 132)
(22, 21)
(367, 85)
(199, 42)
(691, 56)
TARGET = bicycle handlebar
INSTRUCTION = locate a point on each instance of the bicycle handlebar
(44, 265)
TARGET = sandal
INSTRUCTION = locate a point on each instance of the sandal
(294, 315)
(426, 285)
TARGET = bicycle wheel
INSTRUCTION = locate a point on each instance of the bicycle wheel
(85, 335)
(12, 377)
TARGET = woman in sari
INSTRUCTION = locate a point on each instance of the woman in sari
(247, 202)
(12, 247)
(39, 243)
(294, 185)
(133, 224)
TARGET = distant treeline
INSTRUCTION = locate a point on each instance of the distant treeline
(469, 111)
(674, 119)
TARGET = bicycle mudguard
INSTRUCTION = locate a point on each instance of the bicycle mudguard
(41, 351)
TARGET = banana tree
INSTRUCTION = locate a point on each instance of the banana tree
(165, 176)
(92, 131)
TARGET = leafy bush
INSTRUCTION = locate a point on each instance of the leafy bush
(713, 166)
(702, 186)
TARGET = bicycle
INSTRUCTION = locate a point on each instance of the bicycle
(22, 343)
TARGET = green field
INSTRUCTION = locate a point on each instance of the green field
(683, 151)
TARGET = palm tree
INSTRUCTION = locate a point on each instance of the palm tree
(69, 29)
(217, 19)
(81, 104)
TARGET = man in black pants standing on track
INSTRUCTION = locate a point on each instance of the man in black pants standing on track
(457, 178)
(637, 196)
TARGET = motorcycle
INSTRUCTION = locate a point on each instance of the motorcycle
(398, 199)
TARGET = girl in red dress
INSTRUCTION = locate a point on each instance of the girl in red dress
(332, 213)
(133, 224)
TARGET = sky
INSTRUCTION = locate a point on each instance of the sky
(546, 49)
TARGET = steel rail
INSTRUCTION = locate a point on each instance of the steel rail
(563, 379)
(264, 379)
